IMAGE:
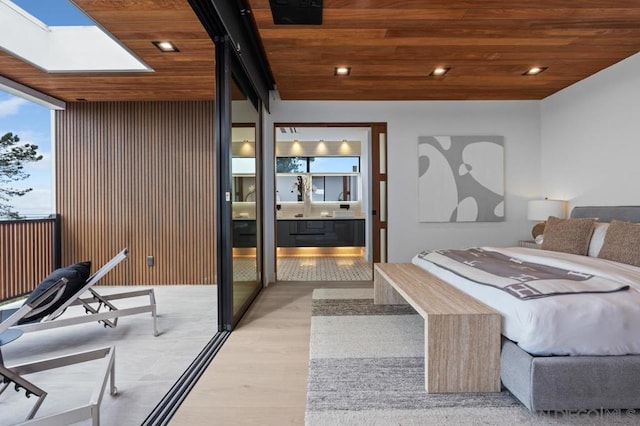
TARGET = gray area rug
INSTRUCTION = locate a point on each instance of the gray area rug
(366, 367)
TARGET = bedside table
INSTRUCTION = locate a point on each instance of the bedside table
(529, 244)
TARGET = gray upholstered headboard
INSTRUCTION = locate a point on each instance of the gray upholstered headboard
(608, 213)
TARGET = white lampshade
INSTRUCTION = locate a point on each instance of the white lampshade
(540, 210)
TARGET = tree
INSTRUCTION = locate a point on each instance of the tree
(290, 165)
(293, 164)
(12, 159)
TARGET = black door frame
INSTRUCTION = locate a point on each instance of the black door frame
(224, 258)
(238, 54)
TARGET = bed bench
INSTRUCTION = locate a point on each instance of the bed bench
(462, 335)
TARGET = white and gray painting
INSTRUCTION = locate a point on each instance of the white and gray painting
(461, 178)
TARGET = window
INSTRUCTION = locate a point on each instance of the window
(334, 165)
(292, 164)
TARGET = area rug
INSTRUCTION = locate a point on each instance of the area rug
(366, 367)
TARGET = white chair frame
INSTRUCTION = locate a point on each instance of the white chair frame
(14, 374)
(109, 317)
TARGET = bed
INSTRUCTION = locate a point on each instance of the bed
(572, 351)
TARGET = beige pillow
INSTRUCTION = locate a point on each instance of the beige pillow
(622, 243)
(568, 235)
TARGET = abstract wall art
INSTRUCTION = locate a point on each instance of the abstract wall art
(461, 178)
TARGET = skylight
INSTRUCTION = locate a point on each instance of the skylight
(55, 12)
(57, 37)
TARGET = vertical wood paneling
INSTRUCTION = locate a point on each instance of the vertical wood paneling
(138, 175)
(26, 255)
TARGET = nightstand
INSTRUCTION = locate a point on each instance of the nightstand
(529, 244)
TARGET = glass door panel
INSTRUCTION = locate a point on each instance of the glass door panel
(245, 201)
(239, 212)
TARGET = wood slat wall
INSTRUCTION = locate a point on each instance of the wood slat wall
(138, 175)
(26, 255)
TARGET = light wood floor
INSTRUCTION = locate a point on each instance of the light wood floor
(259, 377)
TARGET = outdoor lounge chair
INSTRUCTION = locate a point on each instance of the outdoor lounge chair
(49, 296)
(48, 319)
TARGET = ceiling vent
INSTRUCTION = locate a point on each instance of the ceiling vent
(296, 12)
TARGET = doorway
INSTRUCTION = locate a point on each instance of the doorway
(328, 194)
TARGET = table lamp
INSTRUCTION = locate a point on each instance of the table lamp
(540, 210)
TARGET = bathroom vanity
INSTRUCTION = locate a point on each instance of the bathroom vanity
(244, 233)
(320, 232)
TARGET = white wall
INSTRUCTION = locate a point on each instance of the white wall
(517, 121)
(591, 138)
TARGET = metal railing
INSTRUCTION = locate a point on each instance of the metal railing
(29, 251)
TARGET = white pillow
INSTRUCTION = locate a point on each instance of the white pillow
(597, 238)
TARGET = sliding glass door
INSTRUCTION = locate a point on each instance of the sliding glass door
(245, 200)
(238, 131)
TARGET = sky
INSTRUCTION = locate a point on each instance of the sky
(32, 123)
(54, 12)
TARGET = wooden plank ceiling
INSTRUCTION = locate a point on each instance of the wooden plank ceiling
(185, 75)
(391, 45)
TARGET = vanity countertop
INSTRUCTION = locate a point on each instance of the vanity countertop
(319, 218)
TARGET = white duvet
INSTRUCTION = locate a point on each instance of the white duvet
(575, 324)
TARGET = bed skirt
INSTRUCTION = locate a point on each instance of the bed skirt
(559, 383)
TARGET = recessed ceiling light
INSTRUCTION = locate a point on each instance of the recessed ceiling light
(534, 71)
(439, 72)
(165, 46)
(342, 71)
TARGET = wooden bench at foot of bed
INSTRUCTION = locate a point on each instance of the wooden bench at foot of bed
(461, 335)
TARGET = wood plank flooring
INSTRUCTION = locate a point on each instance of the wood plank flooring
(259, 377)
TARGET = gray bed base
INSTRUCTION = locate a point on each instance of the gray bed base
(559, 383)
(570, 383)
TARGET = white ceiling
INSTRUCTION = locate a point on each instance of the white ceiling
(314, 134)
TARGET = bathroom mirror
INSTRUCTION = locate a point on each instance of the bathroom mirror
(334, 178)
(243, 164)
(325, 187)
(244, 188)
(335, 188)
